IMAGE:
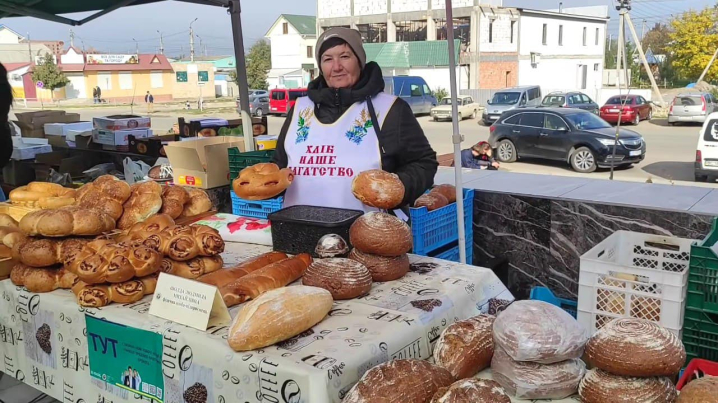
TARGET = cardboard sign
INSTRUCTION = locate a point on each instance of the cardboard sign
(189, 302)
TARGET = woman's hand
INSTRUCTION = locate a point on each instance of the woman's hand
(495, 164)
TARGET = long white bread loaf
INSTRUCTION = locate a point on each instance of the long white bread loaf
(278, 315)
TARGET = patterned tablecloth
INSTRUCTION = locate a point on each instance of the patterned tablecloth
(398, 319)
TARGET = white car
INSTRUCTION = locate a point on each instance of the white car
(706, 165)
(467, 108)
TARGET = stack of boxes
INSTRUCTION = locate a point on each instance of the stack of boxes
(113, 131)
(32, 124)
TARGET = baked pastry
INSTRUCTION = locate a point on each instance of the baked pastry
(55, 202)
(601, 387)
(278, 315)
(67, 221)
(472, 391)
(51, 194)
(343, 278)
(99, 295)
(431, 201)
(45, 252)
(380, 234)
(382, 268)
(41, 279)
(192, 268)
(106, 193)
(7, 221)
(144, 202)
(102, 261)
(555, 337)
(184, 242)
(399, 381)
(262, 181)
(465, 348)
(160, 172)
(530, 380)
(448, 191)
(702, 390)
(636, 347)
(173, 200)
(110, 186)
(197, 203)
(153, 225)
(377, 188)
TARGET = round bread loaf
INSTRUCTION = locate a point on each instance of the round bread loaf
(382, 268)
(344, 278)
(703, 390)
(636, 347)
(380, 234)
(377, 188)
(331, 245)
(472, 391)
(399, 381)
(466, 347)
(601, 387)
(431, 201)
(537, 331)
(530, 380)
(448, 191)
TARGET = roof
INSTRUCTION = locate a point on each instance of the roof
(18, 52)
(304, 24)
(14, 66)
(226, 63)
(71, 67)
(410, 54)
(145, 63)
(563, 15)
(3, 26)
(651, 58)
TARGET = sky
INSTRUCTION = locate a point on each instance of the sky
(117, 31)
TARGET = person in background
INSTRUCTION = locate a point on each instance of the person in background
(94, 94)
(5, 131)
(99, 94)
(150, 100)
(479, 156)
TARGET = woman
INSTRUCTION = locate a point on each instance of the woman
(329, 137)
(5, 133)
(479, 157)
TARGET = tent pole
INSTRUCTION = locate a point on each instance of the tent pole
(235, 15)
(456, 138)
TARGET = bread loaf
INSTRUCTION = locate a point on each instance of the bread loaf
(99, 295)
(377, 188)
(7, 221)
(472, 391)
(382, 268)
(173, 200)
(331, 245)
(636, 347)
(703, 390)
(530, 380)
(192, 268)
(601, 387)
(41, 279)
(539, 332)
(66, 221)
(399, 381)
(198, 202)
(153, 225)
(45, 252)
(110, 186)
(144, 202)
(102, 261)
(183, 242)
(343, 278)
(380, 234)
(222, 278)
(466, 347)
(431, 201)
(448, 191)
(278, 315)
(262, 181)
(42, 195)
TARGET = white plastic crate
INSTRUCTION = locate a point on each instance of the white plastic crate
(637, 275)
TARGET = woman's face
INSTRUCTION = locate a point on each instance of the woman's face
(340, 67)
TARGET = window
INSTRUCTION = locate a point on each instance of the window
(553, 122)
(285, 28)
(585, 99)
(411, 31)
(462, 29)
(532, 119)
(513, 120)
(416, 90)
(181, 76)
(125, 80)
(597, 31)
(491, 31)
(278, 95)
(294, 94)
(574, 99)
(469, 100)
(427, 90)
(534, 93)
(584, 36)
(310, 52)
(544, 39)
(595, 66)
(104, 81)
(156, 79)
(513, 23)
(560, 35)
(202, 76)
(373, 33)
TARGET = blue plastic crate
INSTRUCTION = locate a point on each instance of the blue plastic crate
(545, 295)
(452, 254)
(434, 229)
(255, 209)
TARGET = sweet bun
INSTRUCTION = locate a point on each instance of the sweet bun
(42, 195)
(601, 387)
(377, 188)
(431, 201)
(380, 234)
(198, 202)
(382, 268)
(448, 191)
(144, 202)
(262, 181)
(72, 220)
(7, 221)
(636, 347)
(703, 390)
(173, 200)
(466, 347)
(472, 391)
(344, 278)
(55, 202)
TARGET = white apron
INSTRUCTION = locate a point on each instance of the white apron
(326, 158)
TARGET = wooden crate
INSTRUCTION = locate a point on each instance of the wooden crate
(15, 211)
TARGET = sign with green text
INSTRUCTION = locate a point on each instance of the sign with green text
(126, 357)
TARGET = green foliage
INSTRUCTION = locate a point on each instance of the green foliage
(50, 75)
(694, 39)
(258, 64)
(657, 39)
(440, 93)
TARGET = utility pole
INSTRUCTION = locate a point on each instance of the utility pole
(72, 38)
(137, 47)
(200, 44)
(29, 48)
(620, 48)
(162, 43)
(649, 72)
(643, 31)
(191, 41)
(710, 63)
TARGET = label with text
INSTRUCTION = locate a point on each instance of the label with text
(189, 302)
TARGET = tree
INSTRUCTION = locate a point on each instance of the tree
(50, 75)
(658, 39)
(259, 61)
(694, 39)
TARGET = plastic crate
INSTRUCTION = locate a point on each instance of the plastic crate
(700, 335)
(433, 229)
(544, 294)
(697, 368)
(451, 253)
(636, 275)
(238, 160)
(255, 209)
(703, 275)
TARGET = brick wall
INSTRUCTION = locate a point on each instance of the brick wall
(492, 75)
(369, 7)
(334, 8)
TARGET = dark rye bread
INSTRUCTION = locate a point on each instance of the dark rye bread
(382, 268)
(344, 278)
(703, 390)
(601, 387)
(472, 391)
(466, 347)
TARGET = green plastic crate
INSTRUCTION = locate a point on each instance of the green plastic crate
(238, 161)
(700, 335)
(703, 274)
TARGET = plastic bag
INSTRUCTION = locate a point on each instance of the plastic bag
(530, 380)
(135, 171)
(99, 170)
(537, 331)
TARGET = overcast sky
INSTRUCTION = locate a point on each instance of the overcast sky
(115, 31)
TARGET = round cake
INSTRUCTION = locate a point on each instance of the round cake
(382, 268)
(380, 234)
(636, 347)
(448, 191)
(344, 278)
(431, 201)
(601, 387)
(466, 347)
(472, 391)
(703, 390)
(377, 188)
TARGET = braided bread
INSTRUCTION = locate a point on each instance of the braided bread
(109, 185)
(145, 201)
(192, 268)
(41, 280)
(262, 181)
(45, 252)
(174, 199)
(102, 261)
(184, 242)
(197, 203)
(142, 230)
(66, 221)
(96, 296)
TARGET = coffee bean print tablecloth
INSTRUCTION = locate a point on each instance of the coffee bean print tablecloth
(43, 339)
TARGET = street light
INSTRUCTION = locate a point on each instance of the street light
(162, 44)
(200, 45)
(191, 41)
(137, 47)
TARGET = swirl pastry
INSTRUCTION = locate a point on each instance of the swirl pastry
(183, 242)
(96, 296)
(192, 268)
(102, 261)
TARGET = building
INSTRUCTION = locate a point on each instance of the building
(8, 36)
(292, 38)
(123, 78)
(192, 80)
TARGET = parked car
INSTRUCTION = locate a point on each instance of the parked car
(252, 94)
(578, 137)
(259, 106)
(509, 99)
(413, 90)
(281, 100)
(466, 106)
(634, 109)
(692, 108)
(576, 100)
(706, 165)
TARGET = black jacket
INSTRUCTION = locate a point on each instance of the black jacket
(405, 149)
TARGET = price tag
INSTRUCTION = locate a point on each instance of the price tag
(189, 302)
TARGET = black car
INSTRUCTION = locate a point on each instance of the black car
(580, 138)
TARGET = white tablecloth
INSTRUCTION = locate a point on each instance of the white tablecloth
(399, 319)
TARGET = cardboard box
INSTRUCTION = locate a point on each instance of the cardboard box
(79, 139)
(210, 127)
(32, 124)
(61, 129)
(18, 173)
(27, 148)
(121, 122)
(118, 138)
(63, 163)
(151, 146)
(202, 162)
(265, 142)
(56, 141)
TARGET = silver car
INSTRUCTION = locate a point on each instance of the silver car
(508, 99)
(693, 107)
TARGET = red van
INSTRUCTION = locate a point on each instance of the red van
(281, 100)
